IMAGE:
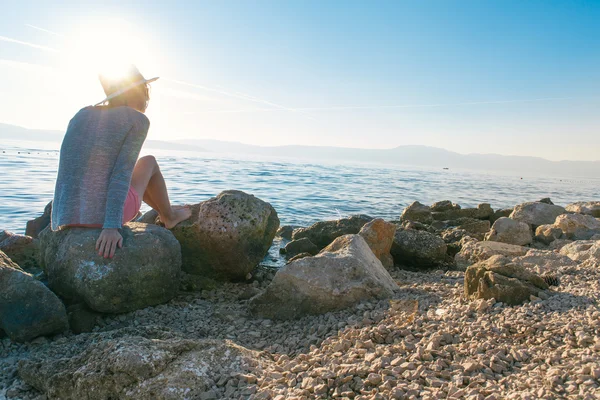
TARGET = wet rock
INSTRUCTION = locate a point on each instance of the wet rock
(303, 245)
(379, 235)
(28, 309)
(585, 207)
(417, 212)
(134, 364)
(227, 236)
(344, 273)
(500, 279)
(23, 250)
(444, 205)
(483, 211)
(473, 252)
(324, 232)
(418, 249)
(536, 213)
(286, 231)
(144, 272)
(35, 226)
(509, 231)
(582, 250)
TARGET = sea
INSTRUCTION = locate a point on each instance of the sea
(302, 191)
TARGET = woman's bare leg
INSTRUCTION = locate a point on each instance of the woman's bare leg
(148, 182)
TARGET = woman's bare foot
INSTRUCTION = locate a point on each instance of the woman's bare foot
(178, 214)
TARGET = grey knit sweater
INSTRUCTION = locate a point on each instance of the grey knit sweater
(97, 157)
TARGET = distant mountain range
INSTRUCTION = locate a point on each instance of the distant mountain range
(423, 156)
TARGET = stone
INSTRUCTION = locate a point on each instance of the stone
(323, 233)
(149, 217)
(296, 247)
(132, 364)
(500, 279)
(417, 212)
(472, 226)
(582, 250)
(577, 226)
(473, 252)
(585, 207)
(547, 233)
(546, 200)
(28, 309)
(483, 211)
(444, 205)
(503, 212)
(341, 275)
(81, 318)
(143, 273)
(35, 226)
(379, 235)
(544, 260)
(507, 230)
(558, 244)
(286, 231)
(536, 213)
(23, 250)
(227, 236)
(418, 249)
(299, 256)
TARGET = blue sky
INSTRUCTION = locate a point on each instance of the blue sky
(509, 77)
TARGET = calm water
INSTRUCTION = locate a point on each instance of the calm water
(301, 192)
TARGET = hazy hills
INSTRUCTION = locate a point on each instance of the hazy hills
(406, 155)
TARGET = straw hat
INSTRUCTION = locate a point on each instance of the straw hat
(114, 87)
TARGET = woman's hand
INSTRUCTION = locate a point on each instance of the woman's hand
(108, 241)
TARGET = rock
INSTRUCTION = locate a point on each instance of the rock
(444, 205)
(500, 279)
(473, 226)
(28, 309)
(296, 247)
(23, 250)
(149, 217)
(585, 207)
(547, 233)
(417, 212)
(140, 363)
(379, 235)
(536, 214)
(299, 256)
(324, 232)
(418, 248)
(544, 260)
(343, 274)
(483, 211)
(227, 236)
(81, 318)
(144, 272)
(286, 231)
(506, 230)
(414, 225)
(582, 250)
(546, 200)
(503, 212)
(473, 252)
(559, 244)
(577, 226)
(35, 226)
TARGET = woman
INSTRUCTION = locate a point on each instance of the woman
(99, 182)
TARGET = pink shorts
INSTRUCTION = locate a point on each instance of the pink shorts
(130, 209)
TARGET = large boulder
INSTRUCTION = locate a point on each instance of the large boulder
(37, 225)
(341, 275)
(418, 248)
(536, 213)
(28, 309)
(577, 226)
(509, 231)
(503, 280)
(23, 250)
(483, 211)
(585, 207)
(143, 273)
(417, 212)
(323, 233)
(473, 252)
(138, 363)
(379, 235)
(296, 247)
(227, 236)
(582, 250)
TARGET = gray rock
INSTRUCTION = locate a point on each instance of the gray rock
(483, 211)
(299, 256)
(585, 207)
(473, 252)
(418, 249)
(149, 217)
(536, 214)
(472, 225)
(444, 205)
(35, 226)
(509, 231)
(503, 212)
(343, 274)
(144, 272)
(559, 244)
(81, 318)
(23, 250)
(500, 279)
(227, 236)
(417, 212)
(286, 231)
(28, 309)
(379, 235)
(546, 200)
(582, 250)
(325, 232)
(303, 245)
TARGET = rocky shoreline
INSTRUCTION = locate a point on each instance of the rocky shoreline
(445, 303)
